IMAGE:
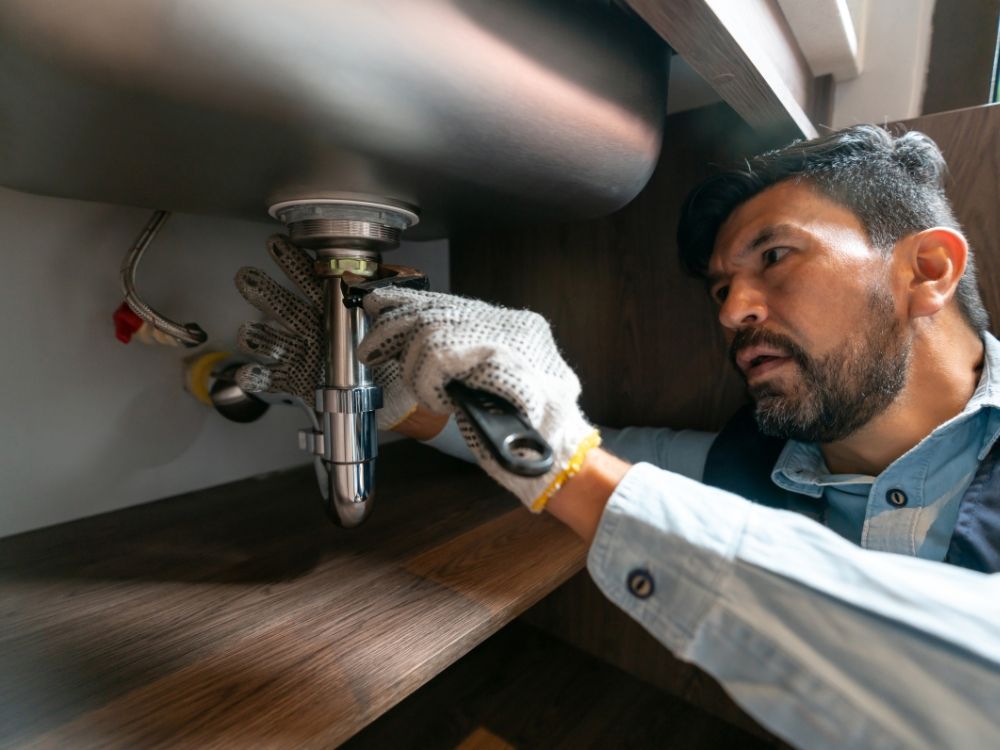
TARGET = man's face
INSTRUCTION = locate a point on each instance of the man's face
(810, 316)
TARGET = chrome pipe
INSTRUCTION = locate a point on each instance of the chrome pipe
(347, 407)
(347, 236)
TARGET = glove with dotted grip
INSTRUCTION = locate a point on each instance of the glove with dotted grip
(294, 348)
(437, 338)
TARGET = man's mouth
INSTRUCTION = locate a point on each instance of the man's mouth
(763, 365)
(756, 361)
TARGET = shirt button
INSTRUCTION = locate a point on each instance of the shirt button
(896, 498)
(640, 583)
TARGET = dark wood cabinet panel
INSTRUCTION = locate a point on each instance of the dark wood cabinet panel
(970, 141)
(962, 56)
(641, 334)
(526, 689)
(580, 614)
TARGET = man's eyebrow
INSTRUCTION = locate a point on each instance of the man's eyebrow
(764, 236)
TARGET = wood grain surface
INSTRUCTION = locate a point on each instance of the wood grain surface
(239, 617)
(525, 689)
(581, 615)
(970, 141)
(962, 55)
(745, 50)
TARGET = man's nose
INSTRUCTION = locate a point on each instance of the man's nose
(745, 305)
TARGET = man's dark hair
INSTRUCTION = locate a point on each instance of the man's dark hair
(894, 185)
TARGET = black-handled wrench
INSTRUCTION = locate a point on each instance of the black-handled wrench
(512, 441)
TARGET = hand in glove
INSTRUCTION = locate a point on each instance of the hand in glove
(295, 348)
(437, 338)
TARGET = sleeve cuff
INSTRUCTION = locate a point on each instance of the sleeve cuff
(662, 550)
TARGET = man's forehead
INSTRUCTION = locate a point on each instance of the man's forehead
(784, 203)
(782, 209)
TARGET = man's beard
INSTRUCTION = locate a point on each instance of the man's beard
(840, 392)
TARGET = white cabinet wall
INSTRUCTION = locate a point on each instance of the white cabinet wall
(90, 424)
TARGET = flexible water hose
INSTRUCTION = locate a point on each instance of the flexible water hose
(189, 334)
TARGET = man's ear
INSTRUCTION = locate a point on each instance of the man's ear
(932, 261)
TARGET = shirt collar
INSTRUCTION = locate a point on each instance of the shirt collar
(987, 393)
(800, 467)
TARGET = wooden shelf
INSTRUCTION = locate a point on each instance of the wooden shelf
(745, 50)
(525, 689)
(239, 616)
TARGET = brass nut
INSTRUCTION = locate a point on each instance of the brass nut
(337, 266)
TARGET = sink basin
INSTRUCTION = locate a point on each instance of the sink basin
(470, 110)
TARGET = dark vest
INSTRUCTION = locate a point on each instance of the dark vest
(741, 461)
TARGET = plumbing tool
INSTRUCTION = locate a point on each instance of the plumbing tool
(512, 441)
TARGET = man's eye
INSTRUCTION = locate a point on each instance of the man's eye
(720, 294)
(774, 254)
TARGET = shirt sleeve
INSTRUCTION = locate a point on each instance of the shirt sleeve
(826, 644)
(681, 451)
(450, 442)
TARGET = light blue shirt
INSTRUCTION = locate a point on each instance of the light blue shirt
(826, 644)
(818, 633)
(829, 644)
(933, 475)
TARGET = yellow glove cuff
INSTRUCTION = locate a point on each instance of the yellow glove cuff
(571, 469)
(398, 422)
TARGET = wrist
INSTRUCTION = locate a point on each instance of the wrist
(421, 424)
(580, 502)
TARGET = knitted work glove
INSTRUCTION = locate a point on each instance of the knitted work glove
(437, 338)
(294, 349)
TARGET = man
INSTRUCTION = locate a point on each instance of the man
(849, 300)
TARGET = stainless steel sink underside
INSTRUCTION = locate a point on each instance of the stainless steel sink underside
(470, 110)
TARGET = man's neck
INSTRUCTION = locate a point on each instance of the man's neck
(944, 371)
